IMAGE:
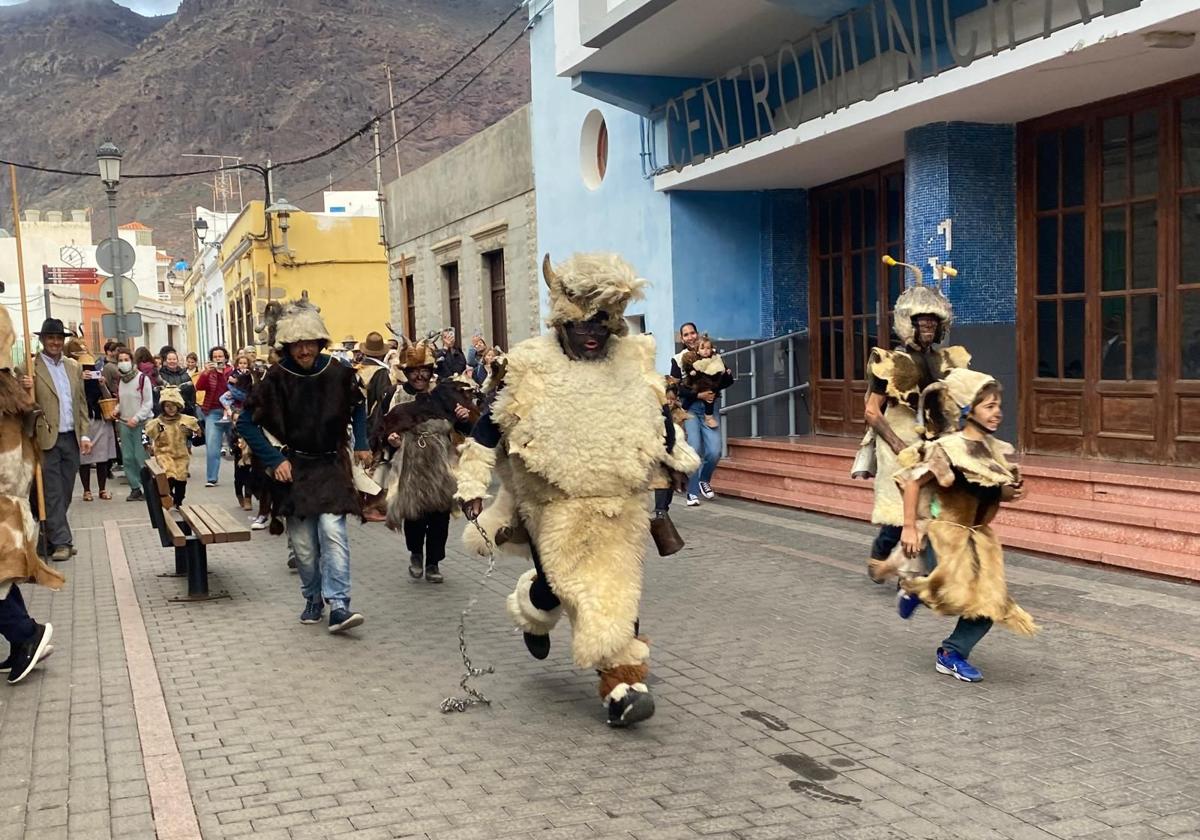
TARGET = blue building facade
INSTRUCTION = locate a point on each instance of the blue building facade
(757, 167)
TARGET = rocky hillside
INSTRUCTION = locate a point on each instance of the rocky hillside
(256, 78)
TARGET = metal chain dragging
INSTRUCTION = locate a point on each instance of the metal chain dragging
(472, 697)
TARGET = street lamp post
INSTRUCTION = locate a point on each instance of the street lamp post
(200, 226)
(281, 209)
(108, 156)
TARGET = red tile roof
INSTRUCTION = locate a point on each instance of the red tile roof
(134, 226)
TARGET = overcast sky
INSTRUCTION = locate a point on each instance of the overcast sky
(148, 8)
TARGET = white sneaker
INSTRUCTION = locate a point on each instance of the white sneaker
(706, 490)
(693, 501)
(259, 523)
(210, 484)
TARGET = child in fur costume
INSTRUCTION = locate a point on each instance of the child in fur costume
(579, 436)
(970, 476)
(29, 641)
(703, 370)
(169, 437)
(414, 439)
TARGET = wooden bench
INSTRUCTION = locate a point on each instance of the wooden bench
(190, 530)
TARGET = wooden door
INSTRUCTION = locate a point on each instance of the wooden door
(1109, 293)
(851, 293)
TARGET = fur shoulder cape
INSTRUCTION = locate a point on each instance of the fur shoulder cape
(901, 373)
(981, 462)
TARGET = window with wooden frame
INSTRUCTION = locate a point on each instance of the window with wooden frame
(410, 309)
(453, 297)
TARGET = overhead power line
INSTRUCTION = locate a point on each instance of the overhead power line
(262, 169)
(412, 129)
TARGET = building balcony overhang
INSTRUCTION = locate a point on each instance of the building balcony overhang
(1075, 65)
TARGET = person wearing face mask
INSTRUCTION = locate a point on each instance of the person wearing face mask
(579, 433)
(415, 441)
(135, 405)
(295, 423)
(895, 380)
(967, 470)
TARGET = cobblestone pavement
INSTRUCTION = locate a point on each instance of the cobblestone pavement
(792, 702)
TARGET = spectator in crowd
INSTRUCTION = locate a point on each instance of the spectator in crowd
(100, 431)
(483, 364)
(62, 431)
(193, 364)
(214, 381)
(135, 405)
(475, 351)
(705, 439)
(108, 365)
(171, 375)
(450, 360)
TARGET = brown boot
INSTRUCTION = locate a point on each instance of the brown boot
(666, 536)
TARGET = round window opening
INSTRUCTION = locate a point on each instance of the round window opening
(593, 150)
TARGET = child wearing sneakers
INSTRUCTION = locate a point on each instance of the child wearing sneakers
(703, 370)
(968, 473)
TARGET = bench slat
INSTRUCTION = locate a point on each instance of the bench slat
(178, 538)
(199, 525)
(233, 530)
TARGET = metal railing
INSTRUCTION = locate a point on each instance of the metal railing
(755, 400)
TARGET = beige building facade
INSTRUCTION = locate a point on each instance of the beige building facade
(463, 240)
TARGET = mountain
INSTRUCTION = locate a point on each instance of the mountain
(261, 79)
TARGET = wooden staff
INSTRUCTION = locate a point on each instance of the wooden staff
(29, 357)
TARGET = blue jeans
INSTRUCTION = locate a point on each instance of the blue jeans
(706, 442)
(214, 435)
(15, 623)
(323, 554)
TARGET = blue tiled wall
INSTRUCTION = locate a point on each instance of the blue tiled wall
(965, 172)
(784, 300)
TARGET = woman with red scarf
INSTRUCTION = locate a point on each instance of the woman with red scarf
(214, 381)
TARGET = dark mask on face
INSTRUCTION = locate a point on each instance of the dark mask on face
(586, 340)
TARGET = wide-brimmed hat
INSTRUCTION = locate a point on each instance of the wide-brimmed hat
(373, 345)
(52, 326)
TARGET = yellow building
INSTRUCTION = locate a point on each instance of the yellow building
(336, 258)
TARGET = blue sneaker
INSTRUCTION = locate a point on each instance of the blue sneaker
(907, 604)
(312, 612)
(950, 662)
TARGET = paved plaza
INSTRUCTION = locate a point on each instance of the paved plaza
(792, 702)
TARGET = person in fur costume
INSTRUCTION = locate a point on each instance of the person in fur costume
(579, 435)
(969, 474)
(703, 370)
(414, 440)
(169, 438)
(895, 380)
(305, 404)
(29, 641)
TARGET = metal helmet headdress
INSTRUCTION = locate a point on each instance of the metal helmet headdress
(920, 299)
(589, 283)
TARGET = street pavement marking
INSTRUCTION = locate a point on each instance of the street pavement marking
(170, 799)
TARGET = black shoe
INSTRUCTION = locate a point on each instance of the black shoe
(635, 705)
(538, 646)
(341, 620)
(6, 665)
(416, 566)
(293, 563)
(25, 657)
(134, 496)
(432, 574)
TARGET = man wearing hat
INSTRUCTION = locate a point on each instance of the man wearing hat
(373, 374)
(62, 429)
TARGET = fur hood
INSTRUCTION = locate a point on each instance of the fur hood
(589, 283)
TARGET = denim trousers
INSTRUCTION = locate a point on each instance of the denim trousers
(706, 442)
(323, 556)
(214, 434)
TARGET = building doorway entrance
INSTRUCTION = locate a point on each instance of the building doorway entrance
(1110, 278)
(851, 293)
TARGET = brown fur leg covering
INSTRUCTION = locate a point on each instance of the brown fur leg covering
(610, 678)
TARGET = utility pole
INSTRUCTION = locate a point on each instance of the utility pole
(392, 108)
(379, 197)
